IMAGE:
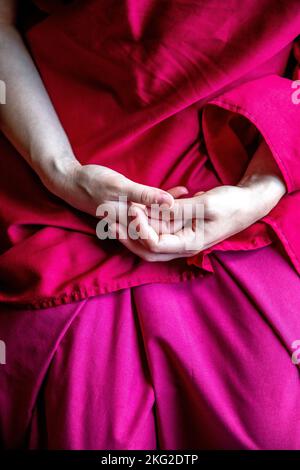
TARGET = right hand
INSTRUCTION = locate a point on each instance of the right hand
(85, 187)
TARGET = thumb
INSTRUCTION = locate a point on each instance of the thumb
(147, 195)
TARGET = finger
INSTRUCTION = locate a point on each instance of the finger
(137, 248)
(181, 244)
(140, 221)
(184, 242)
(166, 225)
(178, 191)
(155, 243)
(110, 212)
(177, 243)
(182, 209)
(147, 195)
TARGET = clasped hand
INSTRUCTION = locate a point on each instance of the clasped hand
(224, 210)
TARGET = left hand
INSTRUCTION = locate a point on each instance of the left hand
(227, 211)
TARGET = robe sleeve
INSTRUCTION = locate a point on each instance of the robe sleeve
(267, 105)
(232, 123)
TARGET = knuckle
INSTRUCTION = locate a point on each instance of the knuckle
(209, 207)
(145, 196)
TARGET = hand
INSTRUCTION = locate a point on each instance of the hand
(227, 210)
(85, 187)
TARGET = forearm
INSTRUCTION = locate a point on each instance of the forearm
(28, 118)
(30, 122)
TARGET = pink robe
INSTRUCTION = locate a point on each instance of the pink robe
(166, 93)
(210, 363)
(198, 353)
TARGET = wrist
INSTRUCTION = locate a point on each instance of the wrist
(264, 190)
(263, 180)
(56, 171)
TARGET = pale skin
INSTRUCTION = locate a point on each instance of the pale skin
(30, 122)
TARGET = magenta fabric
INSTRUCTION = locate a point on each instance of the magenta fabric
(226, 135)
(296, 72)
(205, 364)
(130, 81)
